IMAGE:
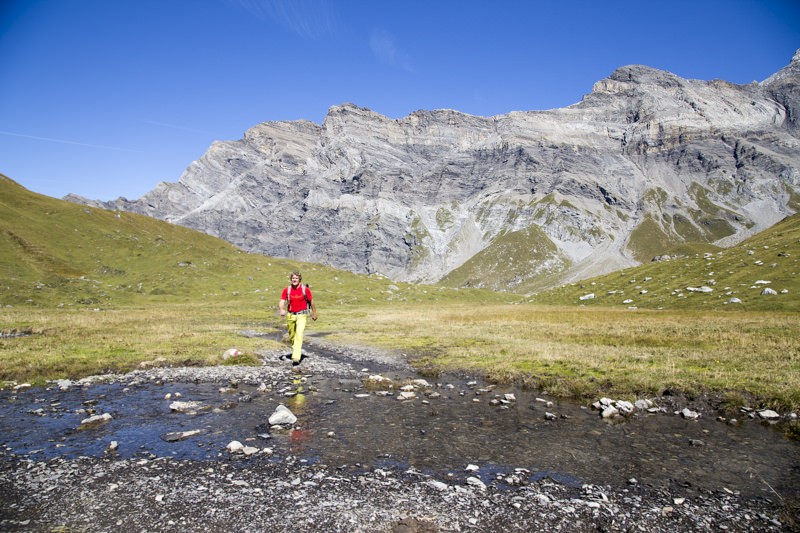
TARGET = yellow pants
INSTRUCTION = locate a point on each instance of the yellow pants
(296, 325)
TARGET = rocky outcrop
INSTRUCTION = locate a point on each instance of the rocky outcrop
(645, 164)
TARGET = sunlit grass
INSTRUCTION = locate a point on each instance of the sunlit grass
(76, 343)
(586, 352)
(582, 353)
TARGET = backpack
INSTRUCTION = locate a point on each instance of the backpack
(289, 291)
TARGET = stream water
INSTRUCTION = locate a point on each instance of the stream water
(341, 424)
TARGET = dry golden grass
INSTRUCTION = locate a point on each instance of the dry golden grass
(76, 343)
(584, 352)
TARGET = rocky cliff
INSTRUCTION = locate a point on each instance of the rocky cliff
(646, 164)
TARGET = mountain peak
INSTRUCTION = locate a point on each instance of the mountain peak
(650, 164)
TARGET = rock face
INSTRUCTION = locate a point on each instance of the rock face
(644, 164)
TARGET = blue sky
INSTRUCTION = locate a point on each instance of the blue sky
(107, 98)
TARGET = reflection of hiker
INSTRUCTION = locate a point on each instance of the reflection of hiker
(297, 299)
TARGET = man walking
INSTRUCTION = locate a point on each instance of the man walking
(295, 302)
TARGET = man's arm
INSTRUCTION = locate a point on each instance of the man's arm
(281, 306)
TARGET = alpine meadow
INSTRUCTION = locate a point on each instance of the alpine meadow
(88, 291)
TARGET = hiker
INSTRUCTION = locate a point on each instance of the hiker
(294, 304)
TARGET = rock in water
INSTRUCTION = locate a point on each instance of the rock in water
(282, 417)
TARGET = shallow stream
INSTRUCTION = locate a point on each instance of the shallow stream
(343, 425)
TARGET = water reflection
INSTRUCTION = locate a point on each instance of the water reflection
(299, 435)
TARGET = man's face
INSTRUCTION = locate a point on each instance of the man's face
(295, 280)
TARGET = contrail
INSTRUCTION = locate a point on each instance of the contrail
(65, 141)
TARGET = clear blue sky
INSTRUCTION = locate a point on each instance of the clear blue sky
(106, 98)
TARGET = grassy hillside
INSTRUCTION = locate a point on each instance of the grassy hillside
(527, 251)
(56, 253)
(728, 279)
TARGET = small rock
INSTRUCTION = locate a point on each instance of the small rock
(175, 436)
(282, 416)
(94, 421)
(643, 405)
(769, 414)
(230, 353)
(476, 482)
(609, 412)
(438, 485)
(185, 407)
(689, 414)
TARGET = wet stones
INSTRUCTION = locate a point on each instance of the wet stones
(609, 408)
(237, 447)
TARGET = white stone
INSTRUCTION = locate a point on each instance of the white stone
(643, 404)
(704, 288)
(235, 446)
(476, 482)
(689, 414)
(609, 412)
(95, 420)
(185, 407)
(282, 416)
(769, 414)
(438, 485)
(624, 407)
(231, 352)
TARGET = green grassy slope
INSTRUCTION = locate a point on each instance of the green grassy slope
(737, 273)
(56, 253)
(525, 251)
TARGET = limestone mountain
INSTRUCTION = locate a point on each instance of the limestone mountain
(646, 164)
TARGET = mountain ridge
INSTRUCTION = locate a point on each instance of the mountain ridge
(645, 164)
